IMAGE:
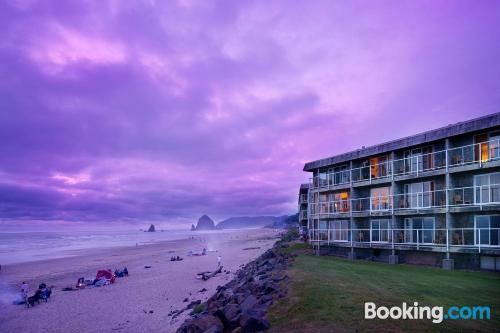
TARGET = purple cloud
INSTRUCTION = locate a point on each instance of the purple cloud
(145, 110)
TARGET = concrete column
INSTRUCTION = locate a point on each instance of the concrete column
(393, 217)
(393, 259)
(351, 255)
(448, 264)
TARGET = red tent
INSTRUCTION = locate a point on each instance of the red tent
(105, 273)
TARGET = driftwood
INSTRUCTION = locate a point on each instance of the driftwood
(207, 275)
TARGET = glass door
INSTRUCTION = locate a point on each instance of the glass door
(380, 231)
(494, 145)
(416, 160)
(340, 230)
(420, 230)
(482, 230)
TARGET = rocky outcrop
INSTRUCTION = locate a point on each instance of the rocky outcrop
(205, 223)
(151, 228)
(243, 302)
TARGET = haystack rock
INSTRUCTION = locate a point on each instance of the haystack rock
(205, 223)
(151, 228)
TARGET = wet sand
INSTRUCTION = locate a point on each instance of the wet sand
(140, 302)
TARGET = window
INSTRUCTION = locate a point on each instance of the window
(487, 229)
(420, 230)
(341, 175)
(380, 198)
(487, 188)
(341, 202)
(379, 230)
(340, 232)
(419, 159)
(494, 145)
(379, 166)
(419, 195)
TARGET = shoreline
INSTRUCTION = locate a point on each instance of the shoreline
(160, 289)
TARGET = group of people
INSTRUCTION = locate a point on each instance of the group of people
(42, 293)
(102, 278)
(176, 258)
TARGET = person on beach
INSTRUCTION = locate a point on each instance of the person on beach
(219, 261)
(24, 290)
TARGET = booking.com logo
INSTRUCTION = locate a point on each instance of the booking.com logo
(435, 313)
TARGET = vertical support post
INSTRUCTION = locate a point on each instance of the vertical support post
(479, 230)
(447, 244)
(418, 247)
(447, 187)
(392, 240)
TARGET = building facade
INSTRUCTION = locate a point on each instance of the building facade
(431, 198)
(303, 209)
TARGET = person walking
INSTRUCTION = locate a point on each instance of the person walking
(219, 261)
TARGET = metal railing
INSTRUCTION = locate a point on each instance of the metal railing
(457, 197)
(477, 153)
(446, 238)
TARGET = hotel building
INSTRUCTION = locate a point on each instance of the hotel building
(431, 198)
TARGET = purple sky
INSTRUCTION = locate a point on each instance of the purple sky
(165, 110)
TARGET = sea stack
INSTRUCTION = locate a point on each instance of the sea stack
(205, 223)
(151, 228)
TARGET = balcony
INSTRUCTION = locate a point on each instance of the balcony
(459, 199)
(303, 214)
(441, 239)
(303, 199)
(477, 155)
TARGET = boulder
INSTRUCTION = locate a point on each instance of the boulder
(249, 302)
(251, 322)
(206, 323)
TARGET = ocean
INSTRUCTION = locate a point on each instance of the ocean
(16, 247)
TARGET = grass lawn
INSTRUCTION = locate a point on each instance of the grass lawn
(327, 294)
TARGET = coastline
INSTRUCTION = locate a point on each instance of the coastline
(141, 301)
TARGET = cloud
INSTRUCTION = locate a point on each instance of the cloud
(133, 111)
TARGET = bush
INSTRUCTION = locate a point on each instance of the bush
(199, 308)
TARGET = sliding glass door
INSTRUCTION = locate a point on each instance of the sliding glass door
(487, 230)
(379, 231)
(340, 232)
(420, 230)
(487, 188)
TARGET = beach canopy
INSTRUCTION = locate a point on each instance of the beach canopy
(106, 274)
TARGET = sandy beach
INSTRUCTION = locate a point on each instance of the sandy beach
(139, 302)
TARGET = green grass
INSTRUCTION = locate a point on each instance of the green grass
(327, 294)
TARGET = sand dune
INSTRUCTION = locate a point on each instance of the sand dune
(138, 303)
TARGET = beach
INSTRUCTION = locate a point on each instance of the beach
(140, 302)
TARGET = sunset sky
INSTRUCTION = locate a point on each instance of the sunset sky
(133, 111)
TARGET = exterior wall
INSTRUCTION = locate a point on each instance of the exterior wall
(450, 200)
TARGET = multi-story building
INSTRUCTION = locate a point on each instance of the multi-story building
(431, 198)
(302, 204)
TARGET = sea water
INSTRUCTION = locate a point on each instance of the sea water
(16, 247)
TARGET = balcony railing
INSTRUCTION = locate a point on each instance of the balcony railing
(446, 238)
(457, 197)
(475, 153)
(478, 153)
